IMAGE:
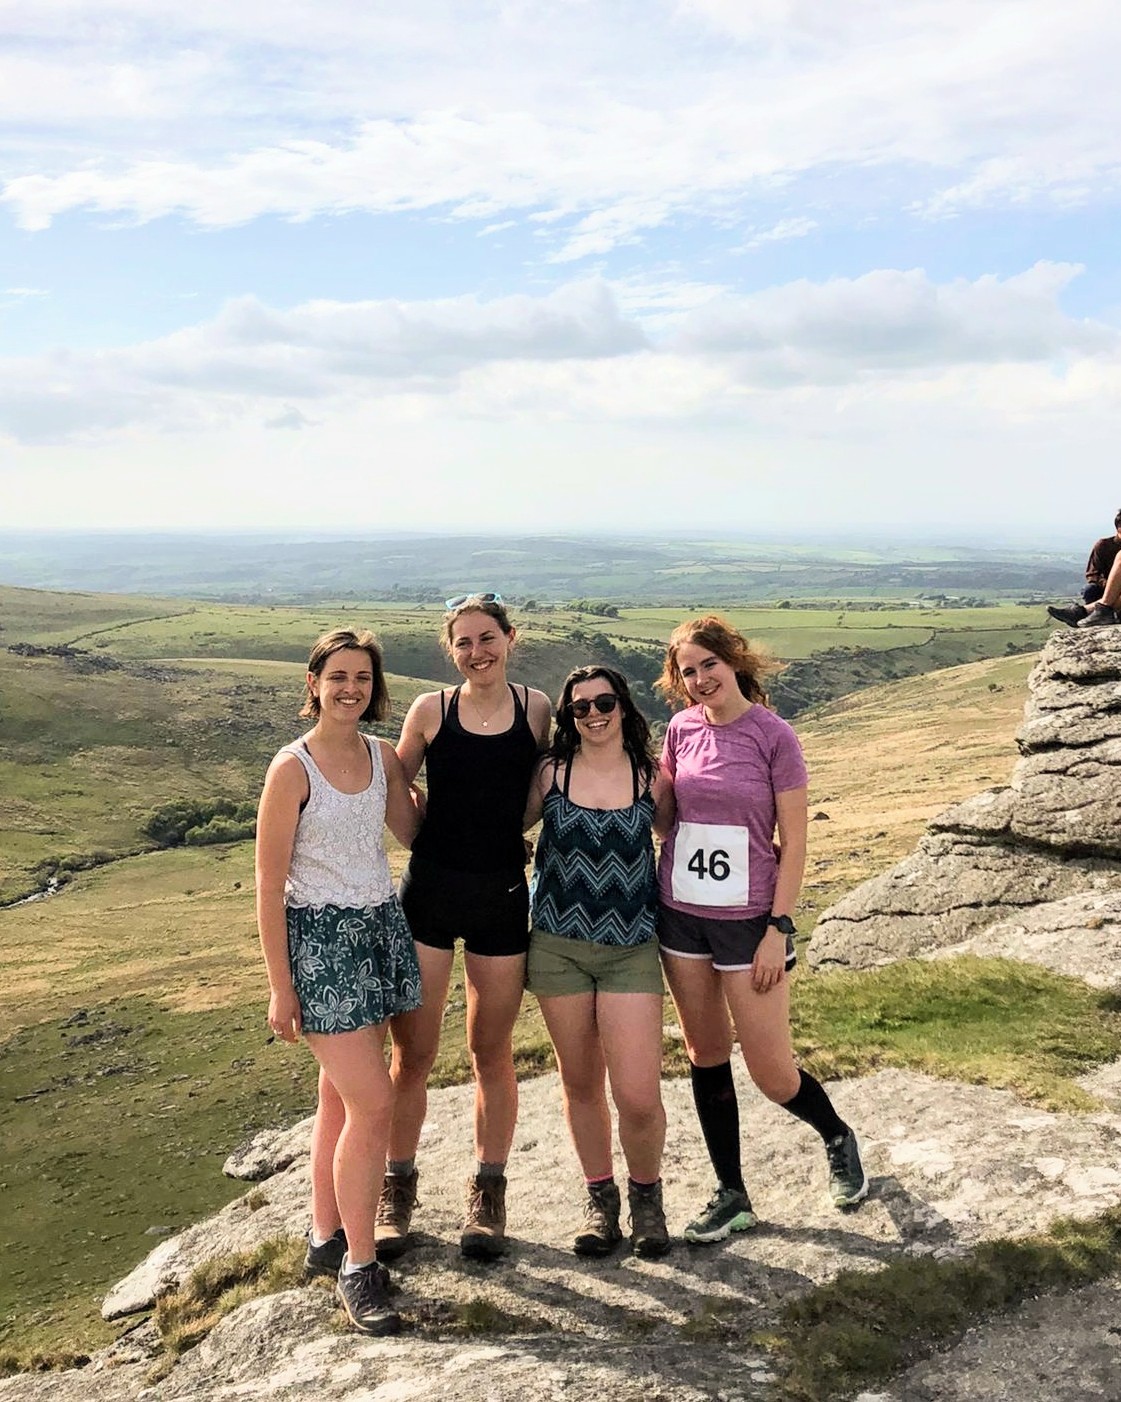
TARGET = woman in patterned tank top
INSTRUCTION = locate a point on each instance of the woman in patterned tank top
(593, 959)
(339, 954)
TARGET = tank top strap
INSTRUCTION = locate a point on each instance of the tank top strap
(567, 776)
(634, 778)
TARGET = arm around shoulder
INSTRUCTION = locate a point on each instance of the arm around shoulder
(540, 717)
(417, 730)
(665, 805)
(401, 816)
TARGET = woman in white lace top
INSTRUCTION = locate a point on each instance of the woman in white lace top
(339, 953)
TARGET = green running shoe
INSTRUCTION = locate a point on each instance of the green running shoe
(728, 1211)
(847, 1182)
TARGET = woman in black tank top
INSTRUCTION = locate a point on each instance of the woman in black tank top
(466, 879)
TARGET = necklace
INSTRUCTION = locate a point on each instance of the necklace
(485, 721)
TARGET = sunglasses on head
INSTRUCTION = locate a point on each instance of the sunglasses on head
(460, 599)
(604, 703)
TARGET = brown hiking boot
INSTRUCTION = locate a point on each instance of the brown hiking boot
(649, 1236)
(600, 1234)
(484, 1229)
(395, 1213)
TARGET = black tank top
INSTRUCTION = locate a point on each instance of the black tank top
(477, 791)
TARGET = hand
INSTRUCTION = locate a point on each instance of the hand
(528, 841)
(768, 968)
(284, 1015)
(420, 801)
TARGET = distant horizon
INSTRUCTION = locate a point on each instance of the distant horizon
(944, 536)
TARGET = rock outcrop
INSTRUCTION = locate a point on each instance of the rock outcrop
(950, 1165)
(1037, 863)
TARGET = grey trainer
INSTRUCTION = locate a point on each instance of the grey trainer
(848, 1184)
(327, 1258)
(364, 1295)
(727, 1211)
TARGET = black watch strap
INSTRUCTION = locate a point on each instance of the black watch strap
(783, 924)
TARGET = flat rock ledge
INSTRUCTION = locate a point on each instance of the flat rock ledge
(1015, 855)
(950, 1165)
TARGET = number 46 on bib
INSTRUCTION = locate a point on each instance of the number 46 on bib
(710, 864)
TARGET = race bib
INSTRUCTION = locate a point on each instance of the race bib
(710, 864)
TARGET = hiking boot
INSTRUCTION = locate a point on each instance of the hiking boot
(727, 1211)
(847, 1181)
(364, 1295)
(325, 1259)
(1072, 616)
(484, 1229)
(1101, 616)
(395, 1213)
(601, 1233)
(649, 1236)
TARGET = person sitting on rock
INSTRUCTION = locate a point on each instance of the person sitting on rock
(1102, 594)
(593, 957)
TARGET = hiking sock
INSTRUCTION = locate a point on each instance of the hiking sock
(813, 1105)
(489, 1170)
(714, 1095)
(400, 1168)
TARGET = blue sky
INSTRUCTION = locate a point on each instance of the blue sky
(791, 265)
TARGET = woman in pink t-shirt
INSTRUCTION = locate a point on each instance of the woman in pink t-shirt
(726, 899)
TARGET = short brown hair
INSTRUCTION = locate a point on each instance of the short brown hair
(339, 640)
(717, 634)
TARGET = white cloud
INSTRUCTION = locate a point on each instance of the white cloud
(489, 112)
(795, 228)
(651, 354)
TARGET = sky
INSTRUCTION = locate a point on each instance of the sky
(793, 265)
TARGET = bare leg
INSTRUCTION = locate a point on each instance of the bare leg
(416, 1040)
(571, 1020)
(630, 1030)
(354, 1063)
(1112, 595)
(329, 1117)
(763, 1025)
(699, 999)
(494, 996)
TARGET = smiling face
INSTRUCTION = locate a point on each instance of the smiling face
(479, 647)
(596, 728)
(710, 680)
(344, 686)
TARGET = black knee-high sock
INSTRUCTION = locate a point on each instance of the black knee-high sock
(814, 1106)
(714, 1094)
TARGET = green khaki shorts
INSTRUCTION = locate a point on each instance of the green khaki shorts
(559, 966)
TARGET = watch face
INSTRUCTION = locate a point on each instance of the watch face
(783, 924)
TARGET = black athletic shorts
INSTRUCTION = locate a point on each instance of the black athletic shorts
(489, 911)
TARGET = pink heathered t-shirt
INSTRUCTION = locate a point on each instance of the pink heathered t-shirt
(719, 861)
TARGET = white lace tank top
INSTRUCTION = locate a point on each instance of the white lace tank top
(338, 857)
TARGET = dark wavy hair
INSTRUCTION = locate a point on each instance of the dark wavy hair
(716, 634)
(636, 732)
(339, 640)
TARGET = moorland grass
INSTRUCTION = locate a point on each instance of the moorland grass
(993, 1022)
(865, 1327)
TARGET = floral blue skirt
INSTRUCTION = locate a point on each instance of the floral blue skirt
(351, 968)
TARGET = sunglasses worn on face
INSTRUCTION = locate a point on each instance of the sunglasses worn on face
(604, 703)
(460, 599)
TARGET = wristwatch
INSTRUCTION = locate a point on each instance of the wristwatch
(783, 924)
